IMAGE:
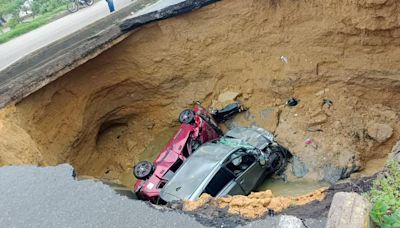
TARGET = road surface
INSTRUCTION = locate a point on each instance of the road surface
(47, 34)
(29, 42)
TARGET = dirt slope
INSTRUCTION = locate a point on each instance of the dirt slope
(102, 115)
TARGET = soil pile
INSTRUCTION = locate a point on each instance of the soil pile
(340, 59)
(256, 204)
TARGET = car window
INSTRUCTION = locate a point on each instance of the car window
(239, 162)
(219, 181)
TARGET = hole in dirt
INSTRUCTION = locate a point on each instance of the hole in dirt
(121, 107)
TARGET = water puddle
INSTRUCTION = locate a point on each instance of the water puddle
(372, 167)
(292, 188)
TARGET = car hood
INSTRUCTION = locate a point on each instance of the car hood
(257, 137)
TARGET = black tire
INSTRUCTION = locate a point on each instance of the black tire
(143, 170)
(73, 6)
(280, 158)
(186, 116)
(89, 2)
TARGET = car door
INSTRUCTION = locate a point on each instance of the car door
(250, 177)
(232, 188)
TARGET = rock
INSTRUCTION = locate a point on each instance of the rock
(346, 172)
(299, 168)
(396, 151)
(318, 119)
(380, 132)
(315, 223)
(348, 210)
(287, 221)
(331, 174)
(228, 96)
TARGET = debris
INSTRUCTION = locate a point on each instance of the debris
(327, 103)
(310, 129)
(271, 212)
(292, 102)
(284, 59)
(308, 141)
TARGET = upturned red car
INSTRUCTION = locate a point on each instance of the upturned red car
(198, 126)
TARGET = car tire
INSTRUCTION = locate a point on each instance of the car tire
(281, 159)
(143, 170)
(186, 116)
(73, 6)
(89, 2)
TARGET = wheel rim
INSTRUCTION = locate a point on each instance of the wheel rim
(143, 169)
(186, 116)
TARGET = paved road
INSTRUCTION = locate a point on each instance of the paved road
(47, 34)
(29, 42)
(157, 6)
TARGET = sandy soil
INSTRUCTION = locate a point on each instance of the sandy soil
(256, 204)
(103, 115)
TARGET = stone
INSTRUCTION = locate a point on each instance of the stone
(396, 151)
(299, 168)
(290, 222)
(331, 174)
(348, 210)
(380, 132)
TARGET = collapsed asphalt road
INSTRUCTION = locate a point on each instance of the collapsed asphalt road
(50, 197)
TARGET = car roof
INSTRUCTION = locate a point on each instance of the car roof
(196, 169)
(254, 136)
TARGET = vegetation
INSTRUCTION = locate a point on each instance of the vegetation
(22, 28)
(385, 198)
(39, 11)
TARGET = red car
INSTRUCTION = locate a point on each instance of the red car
(198, 126)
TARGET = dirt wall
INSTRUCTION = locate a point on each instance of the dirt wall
(102, 115)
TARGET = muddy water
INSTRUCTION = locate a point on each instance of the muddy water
(371, 167)
(291, 188)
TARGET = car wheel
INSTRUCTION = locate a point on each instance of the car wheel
(89, 2)
(143, 170)
(186, 116)
(279, 161)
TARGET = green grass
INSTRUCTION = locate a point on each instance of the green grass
(385, 198)
(25, 27)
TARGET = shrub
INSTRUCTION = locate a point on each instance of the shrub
(385, 198)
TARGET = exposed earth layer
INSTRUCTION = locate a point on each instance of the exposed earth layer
(340, 59)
